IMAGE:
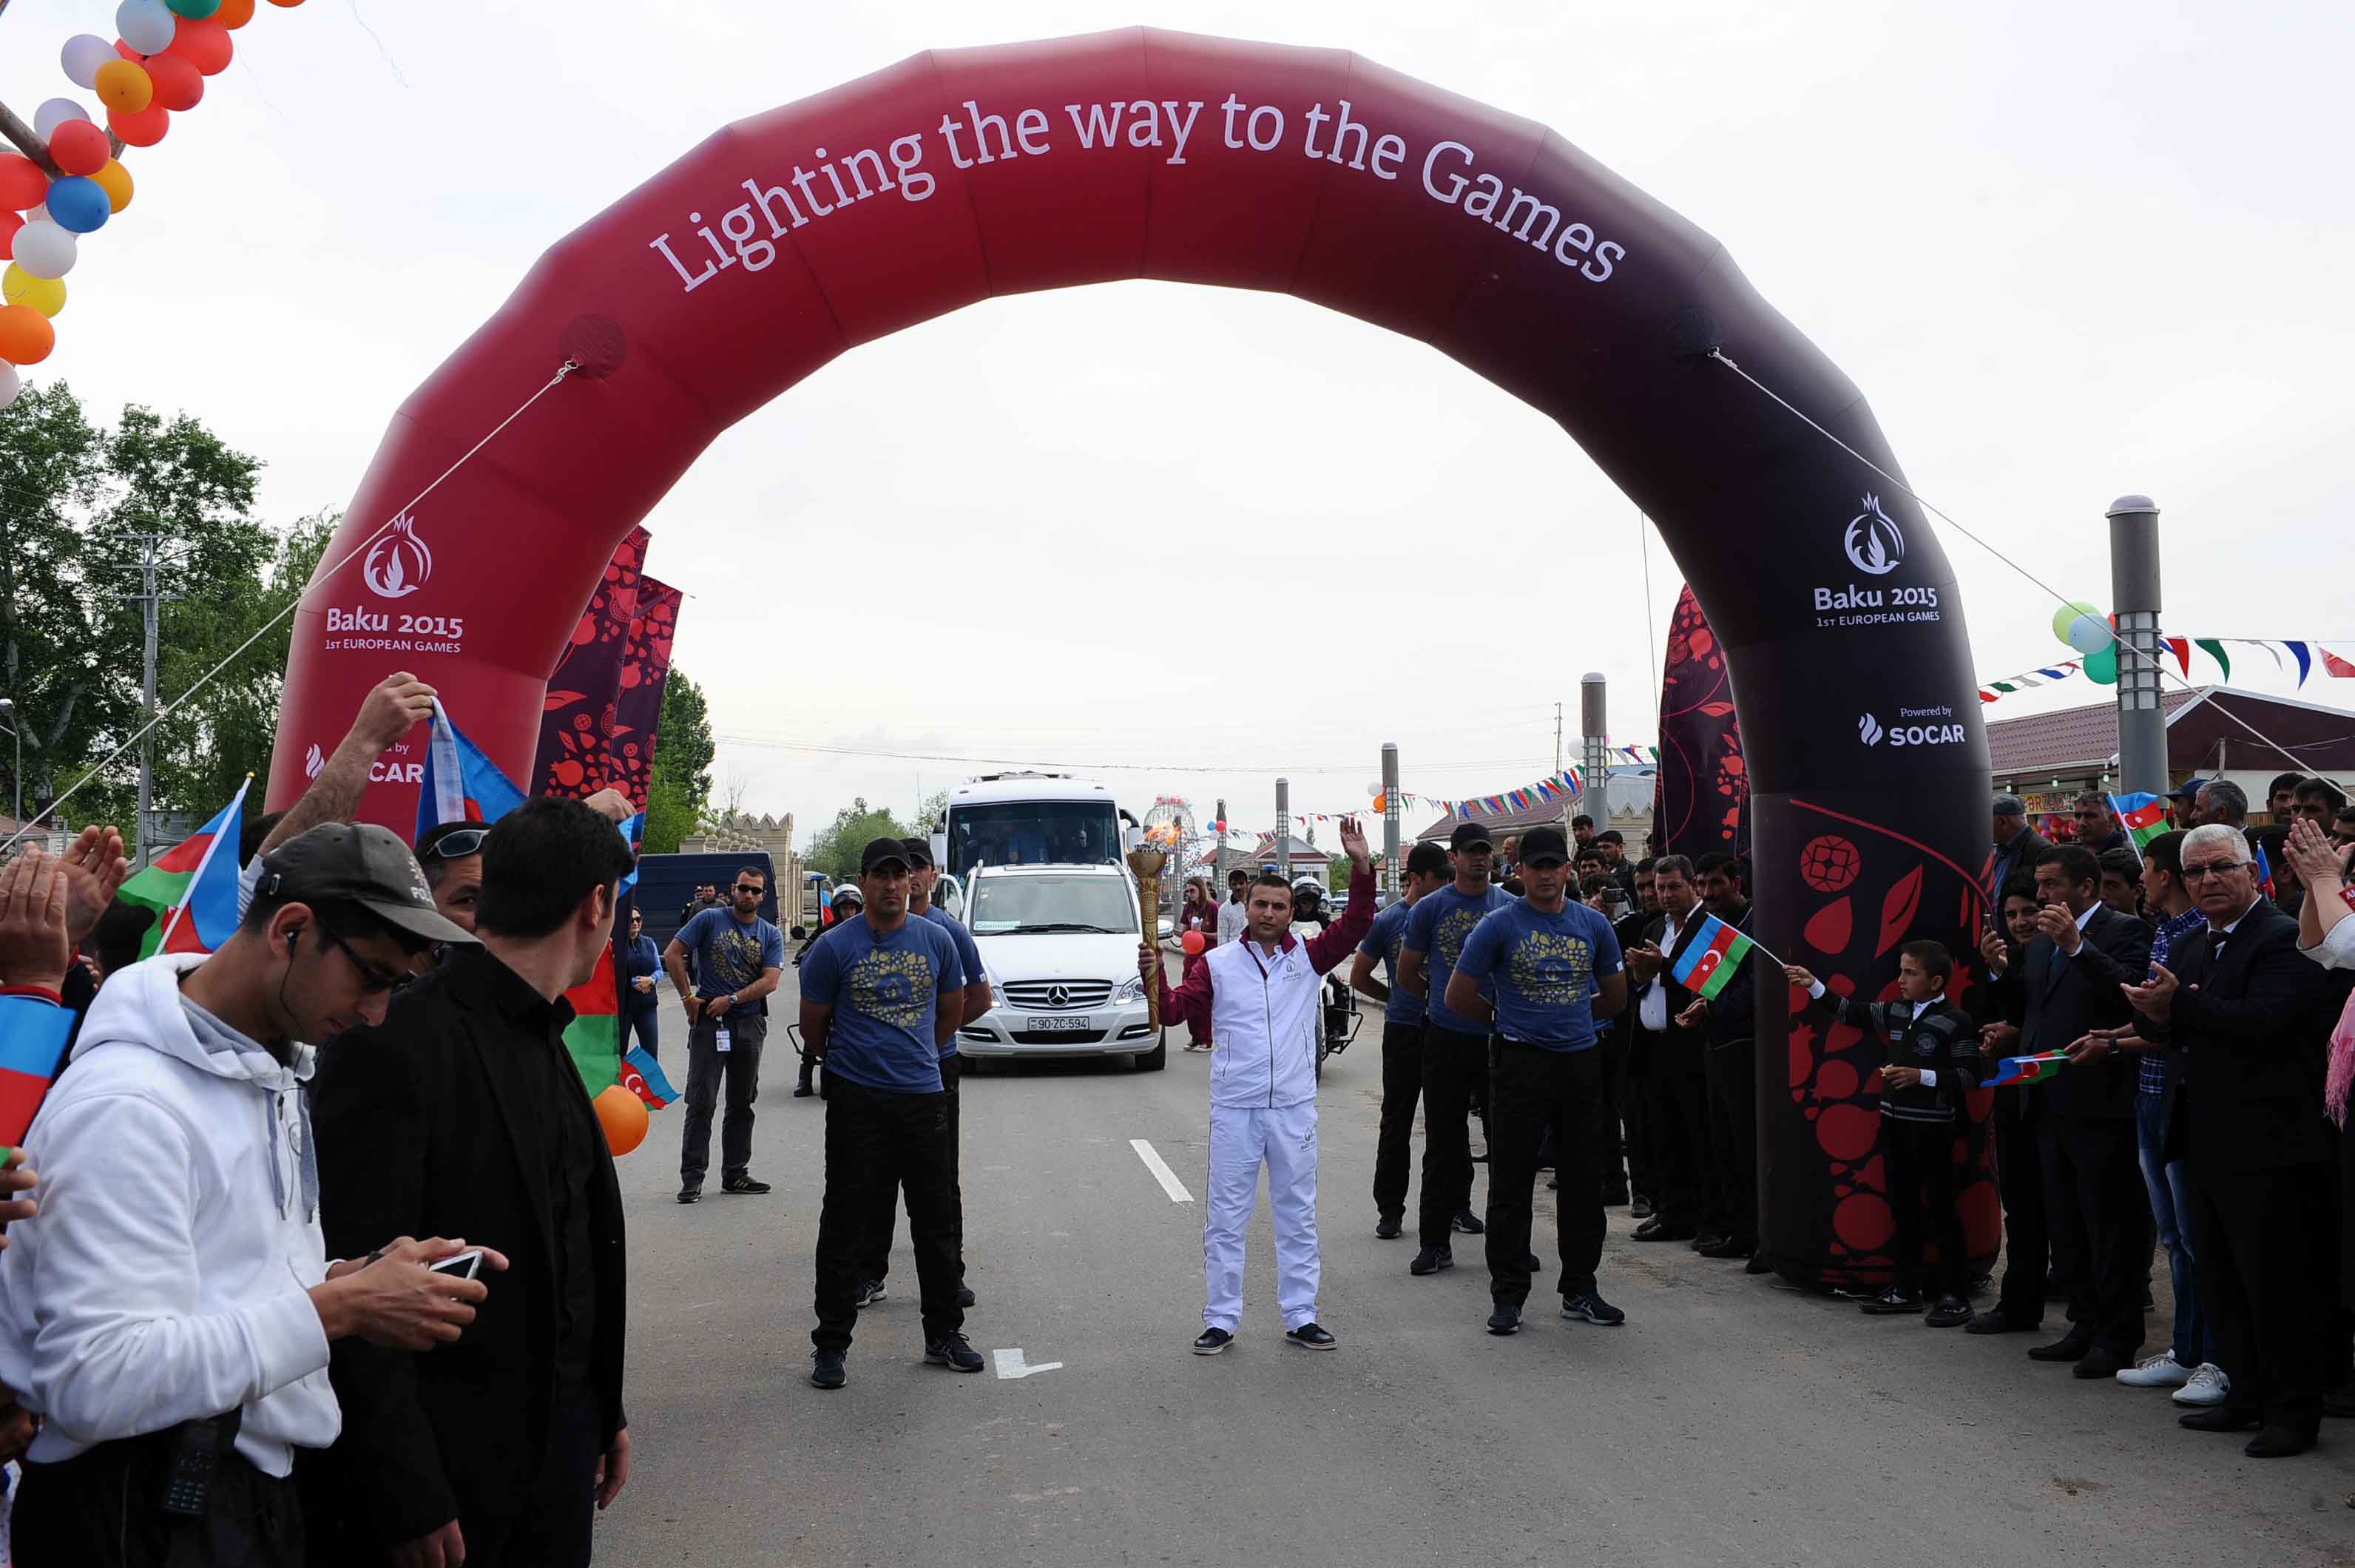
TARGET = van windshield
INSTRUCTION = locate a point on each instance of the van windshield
(1083, 904)
(1033, 833)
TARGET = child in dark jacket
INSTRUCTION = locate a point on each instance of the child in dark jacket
(1932, 1060)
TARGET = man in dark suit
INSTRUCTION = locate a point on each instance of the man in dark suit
(2246, 1016)
(2017, 846)
(1666, 1061)
(462, 1114)
(2070, 978)
(1729, 1027)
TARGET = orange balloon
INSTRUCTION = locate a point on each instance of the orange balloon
(26, 338)
(234, 14)
(619, 1111)
(178, 84)
(204, 43)
(125, 88)
(116, 180)
(143, 129)
(290, 4)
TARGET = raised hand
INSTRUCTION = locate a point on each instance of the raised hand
(2155, 1001)
(1353, 843)
(95, 867)
(34, 946)
(398, 705)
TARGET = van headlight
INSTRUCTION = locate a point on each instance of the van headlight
(1130, 990)
(996, 994)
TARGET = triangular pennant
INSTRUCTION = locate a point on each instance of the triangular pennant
(2304, 660)
(2181, 649)
(2215, 650)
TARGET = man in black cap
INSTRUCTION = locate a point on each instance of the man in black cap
(738, 959)
(881, 994)
(464, 1114)
(1556, 969)
(923, 876)
(2017, 848)
(2183, 804)
(1454, 1048)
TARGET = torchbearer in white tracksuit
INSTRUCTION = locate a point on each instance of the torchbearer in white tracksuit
(1261, 999)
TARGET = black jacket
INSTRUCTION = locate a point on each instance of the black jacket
(1942, 1038)
(424, 1130)
(1655, 928)
(2007, 862)
(2066, 996)
(2250, 1029)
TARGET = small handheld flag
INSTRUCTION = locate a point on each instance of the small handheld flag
(2265, 874)
(192, 887)
(32, 1046)
(461, 783)
(2144, 817)
(643, 1076)
(2033, 1068)
(1712, 959)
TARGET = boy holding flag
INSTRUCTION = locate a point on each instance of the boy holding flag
(1933, 1061)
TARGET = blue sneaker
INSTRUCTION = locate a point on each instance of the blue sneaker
(1585, 1307)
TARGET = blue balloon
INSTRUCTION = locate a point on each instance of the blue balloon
(79, 204)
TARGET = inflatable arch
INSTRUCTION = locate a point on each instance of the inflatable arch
(956, 176)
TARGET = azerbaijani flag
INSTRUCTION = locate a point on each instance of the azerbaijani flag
(192, 887)
(33, 1033)
(461, 785)
(2033, 1068)
(633, 834)
(2143, 815)
(1712, 958)
(2265, 874)
(594, 1035)
(642, 1076)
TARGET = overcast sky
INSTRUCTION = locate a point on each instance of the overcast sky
(2067, 252)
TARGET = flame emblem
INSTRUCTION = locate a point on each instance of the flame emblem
(399, 564)
(1875, 544)
(314, 762)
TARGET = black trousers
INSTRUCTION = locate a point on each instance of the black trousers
(1631, 1093)
(887, 1213)
(547, 1525)
(2263, 1284)
(1402, 1087)
(1532, 1092)
(873, 1139)
(707, 1065)
(1454, 1066)
(1612, 1043)
(2099, 1211)
(102, 1510)
(1731, 1074)
(1677, 1106)
(1918, 1159)
(2019, 1178)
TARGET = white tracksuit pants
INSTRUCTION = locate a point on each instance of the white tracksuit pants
(1283, 1139)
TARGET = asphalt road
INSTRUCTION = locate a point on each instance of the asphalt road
(1732, 1419)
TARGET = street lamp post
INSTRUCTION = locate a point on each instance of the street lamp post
(17, 728)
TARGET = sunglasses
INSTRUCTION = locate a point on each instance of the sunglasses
(373, 979)
(459, 845)
(747, 887)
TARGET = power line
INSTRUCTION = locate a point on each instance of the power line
(1001, 759)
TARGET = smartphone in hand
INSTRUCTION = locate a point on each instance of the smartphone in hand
(463, 1266)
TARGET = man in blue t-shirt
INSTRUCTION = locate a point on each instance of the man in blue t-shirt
(1426, 872)
(881, 994)
(1556, 969)
(739, 958)
(922, 876)
(1454, 1048)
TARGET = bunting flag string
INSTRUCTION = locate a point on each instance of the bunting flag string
(2308, 651)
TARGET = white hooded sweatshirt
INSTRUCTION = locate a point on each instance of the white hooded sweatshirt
(165, 1277)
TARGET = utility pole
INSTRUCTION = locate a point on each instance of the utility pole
(1391, 820)
(1557, 737)
(1284, 829)
(150, 600)
(2135, 600)
(1219, 864)
(1592, 720)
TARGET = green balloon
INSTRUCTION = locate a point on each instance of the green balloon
(2103, 666)
(195, 10)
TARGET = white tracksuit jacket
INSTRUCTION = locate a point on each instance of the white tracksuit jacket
(1265, 1013)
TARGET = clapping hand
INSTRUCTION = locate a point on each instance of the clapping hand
(2319, 863)
(2156, 1001)
(95, 868)
(34, 946)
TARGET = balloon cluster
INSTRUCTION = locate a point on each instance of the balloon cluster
(155, 68)
(2084, 628)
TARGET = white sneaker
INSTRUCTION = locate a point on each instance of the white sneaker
(2209, 1385)
(2163, 1370)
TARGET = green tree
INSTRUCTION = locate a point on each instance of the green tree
(53, 661)
(835, 848)
(678, 787)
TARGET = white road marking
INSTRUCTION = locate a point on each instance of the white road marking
(1010, 1364)
(1161, 1171)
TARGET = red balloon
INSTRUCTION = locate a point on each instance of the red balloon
(1192, 942)
(9, 223)
(143, 129)
(204, 43)
(178, 84)
(127, 52)
(23, 186)
(80, 147)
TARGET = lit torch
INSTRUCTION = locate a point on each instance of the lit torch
(1146, 863)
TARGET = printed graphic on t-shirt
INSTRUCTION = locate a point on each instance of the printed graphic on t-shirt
(892, 987)
(1551, 969)
(1447, 937)
(733, 957)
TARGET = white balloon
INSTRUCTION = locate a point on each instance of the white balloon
(10, 384)
(83, 54)
(54, 114)
(146, 25)
(2089, 633)
(45, 250)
